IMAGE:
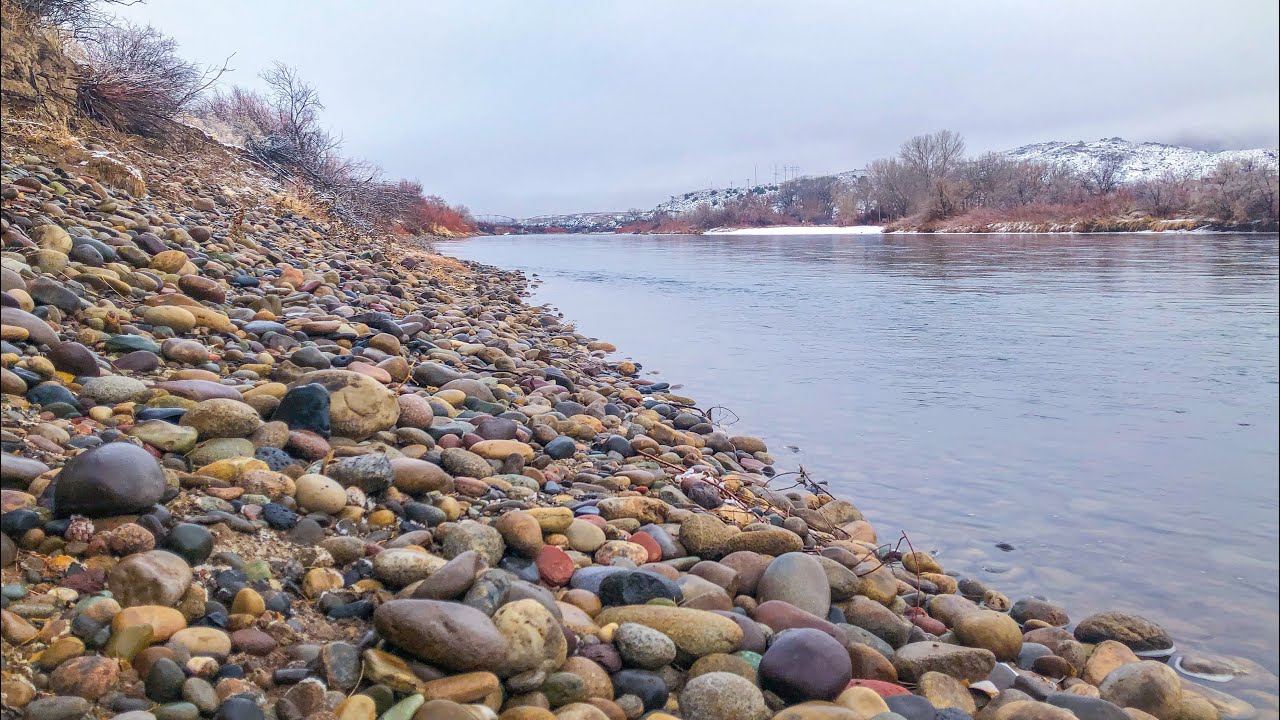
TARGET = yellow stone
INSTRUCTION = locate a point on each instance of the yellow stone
(453, 397)
(248, 602)
(382, 518)
(319, 580)
(386, 669)
(591, 422)
(502, 449)
(180, 319)
(465, 688)
(24, 300)
(164, 621)
(864, 702)
(552, 519)
(211, 319)
(944, 691)
(41, 365)
(271, 389)
(451, 507)
(816, 710)
(59, 651)
(204, 641)
(232, 468)
(920, 562)
(947, 585)
(169, 261)
(351, 512)
(240, 621)
(356, 707)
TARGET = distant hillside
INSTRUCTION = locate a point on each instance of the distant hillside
(1135, 162)
(1041, 180)
(690, 201)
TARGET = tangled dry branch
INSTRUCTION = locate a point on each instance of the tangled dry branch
(135, 80)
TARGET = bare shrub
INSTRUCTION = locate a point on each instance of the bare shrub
(134, 79)
(282, 128)
(1240, 193)
(79, 17)
(1165, 196)
(249, 115)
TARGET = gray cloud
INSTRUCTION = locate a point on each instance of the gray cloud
(532, 106)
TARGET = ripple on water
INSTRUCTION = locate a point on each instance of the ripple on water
(1108, 404)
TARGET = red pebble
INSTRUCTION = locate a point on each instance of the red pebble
(882, 688)
(646, 541)
(449, 441)
(930, 625)
(88, 582)
(594, 520)
(555, 567)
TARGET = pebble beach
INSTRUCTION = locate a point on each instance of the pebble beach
(259, 464)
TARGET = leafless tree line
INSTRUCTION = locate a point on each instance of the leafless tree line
(931, 179)
(282, 127)
(134, 79)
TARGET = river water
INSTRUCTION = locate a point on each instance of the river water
(1105, 404)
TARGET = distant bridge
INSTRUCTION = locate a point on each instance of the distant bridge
(496, 220)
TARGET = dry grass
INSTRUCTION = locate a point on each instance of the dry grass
(299, 201)
(1117, 212)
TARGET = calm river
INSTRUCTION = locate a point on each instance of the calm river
(1107, 405)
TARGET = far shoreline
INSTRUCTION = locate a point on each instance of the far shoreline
(864, 230)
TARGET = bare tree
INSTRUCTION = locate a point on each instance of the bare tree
(933, 156)
(891, 187)
(809, 200)
(1104, 177)
(930, 161)
(298, 138)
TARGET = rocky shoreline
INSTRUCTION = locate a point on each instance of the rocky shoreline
(259, 465)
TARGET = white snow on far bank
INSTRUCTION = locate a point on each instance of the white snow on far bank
(801, 230)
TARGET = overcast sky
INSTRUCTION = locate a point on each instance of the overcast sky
(522, 107)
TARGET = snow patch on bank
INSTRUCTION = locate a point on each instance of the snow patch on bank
(802, 230)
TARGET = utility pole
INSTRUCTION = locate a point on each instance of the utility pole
(755, 174)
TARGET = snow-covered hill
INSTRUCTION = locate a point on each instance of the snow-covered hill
(585, 222)
(679, 204)
(710, 197)
(1127, 163)
(1135, 162)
